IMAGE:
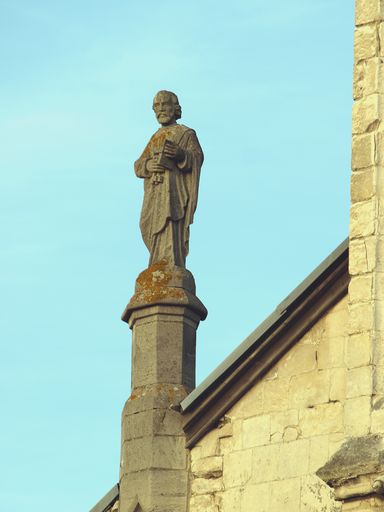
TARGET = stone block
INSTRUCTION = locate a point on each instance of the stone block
(168, 452)
(203, 503)
(363, 151)
(170, 482)
(379, 150)
(335, 323)
(237, 468)
(361, 289)
(265, 463)
(167, 502)
(366, 114)
(206, 486)
(359, 382)
(381, 39)
(281, 420)
(367, 11)
(378, 376)
(309, 389)
(316, 496)
(209, 467)
(230, 500)
(321, 419)
(318, 453)
(362, 219)
(195, 453)
(256, 431)
(337, 388)
(256, 496)
(330, 352)
(210, 444)
(368, 77)
(358, 263)
(360, 317)
(285, 495)
(362, 185)
(301, 358)
(377, 421)
(335, 442)
(164, 344)
(357, 416)
(251, 404)
(372, 78)
(276, 395)
(362, 255)
(366, 43)
(380, 285)
(293, 459)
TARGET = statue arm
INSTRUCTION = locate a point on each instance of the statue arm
(141, 167)
(192, 153)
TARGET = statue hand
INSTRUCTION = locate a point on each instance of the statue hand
(153, 166)
(173, 151)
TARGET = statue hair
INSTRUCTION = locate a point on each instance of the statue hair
(175, 101)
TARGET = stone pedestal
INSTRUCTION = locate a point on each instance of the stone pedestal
(163, 314)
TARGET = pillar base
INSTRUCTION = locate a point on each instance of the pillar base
(164, 314)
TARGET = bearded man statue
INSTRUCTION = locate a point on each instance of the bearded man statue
(170, 166)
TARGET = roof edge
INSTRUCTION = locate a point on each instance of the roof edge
(107, 501)
(290, 320)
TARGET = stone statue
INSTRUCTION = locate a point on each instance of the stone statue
(170, 165)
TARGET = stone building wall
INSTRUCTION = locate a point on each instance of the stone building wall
(366, 251)
(265, 452)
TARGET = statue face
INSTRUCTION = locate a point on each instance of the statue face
(164, 109)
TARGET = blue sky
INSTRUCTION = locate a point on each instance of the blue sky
(267, 87)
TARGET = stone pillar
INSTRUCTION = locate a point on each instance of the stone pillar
(163, 314)
(364, 408)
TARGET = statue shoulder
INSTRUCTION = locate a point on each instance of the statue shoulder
(184, 128)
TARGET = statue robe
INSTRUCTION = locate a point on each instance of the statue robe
(169, 205)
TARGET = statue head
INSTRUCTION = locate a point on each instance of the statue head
(166, 107)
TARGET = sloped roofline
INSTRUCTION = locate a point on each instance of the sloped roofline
(326, 285)
(105, 504)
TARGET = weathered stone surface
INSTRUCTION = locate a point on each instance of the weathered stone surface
(360, 317)
(256, 431)
(366, 114)
(362, 185)
(338, 384)
(237, 468)
(285, 495)
(363, 151)
(318, 452)
(362, 255)
(293, 459)
(321, 419)
(367, 11)
(366, 43)
(208, 467)
(362, 219)
(266, 463)
(276, 396)
(301, 358)
(357, 456)
(256, 494)
(308, 389)
(206, 486)
(203, 503)
(330, 352)
(359, 382)
(360, 288)
(357, 416)
(170, 166)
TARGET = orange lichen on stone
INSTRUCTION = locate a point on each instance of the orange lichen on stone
(152, 284)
